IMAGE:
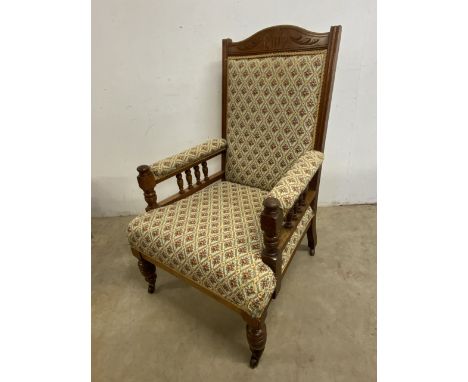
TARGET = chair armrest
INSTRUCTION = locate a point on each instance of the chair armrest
(149, 176)
(179, 162)
(279, 203)
(295, 181)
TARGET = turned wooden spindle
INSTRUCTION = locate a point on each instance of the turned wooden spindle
(196, 169)
(147, 182)
(302, 199)
(271, 221)
(288, 222)
(205, 169)
(298, 207)
(295, 211)
(180, 183)
(188, 176)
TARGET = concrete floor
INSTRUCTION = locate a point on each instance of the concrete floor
(322, 327)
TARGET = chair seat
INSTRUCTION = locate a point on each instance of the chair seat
(213, 237)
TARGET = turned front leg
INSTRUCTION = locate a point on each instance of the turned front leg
(147, 269)
(256, 336)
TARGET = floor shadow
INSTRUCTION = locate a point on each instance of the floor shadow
(209, 315)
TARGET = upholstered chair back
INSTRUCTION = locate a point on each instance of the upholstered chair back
(271, 113)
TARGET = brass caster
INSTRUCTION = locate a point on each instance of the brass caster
(311, 251)
(150, 288)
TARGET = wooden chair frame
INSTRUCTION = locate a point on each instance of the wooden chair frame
(278, 226)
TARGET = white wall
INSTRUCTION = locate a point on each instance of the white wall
(156, 88)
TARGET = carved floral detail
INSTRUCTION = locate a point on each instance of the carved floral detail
(305, 40)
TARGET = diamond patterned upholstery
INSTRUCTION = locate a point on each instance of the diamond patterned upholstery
(272, 109)
(213, 237)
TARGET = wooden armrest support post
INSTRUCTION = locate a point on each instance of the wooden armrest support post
(271, 221)
(147, 183)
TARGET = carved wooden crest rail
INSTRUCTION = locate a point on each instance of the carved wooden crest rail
(279, 39)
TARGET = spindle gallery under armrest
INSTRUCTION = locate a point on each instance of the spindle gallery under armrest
(287, 231)
(147, 180)
(192, 189)
(191, 165)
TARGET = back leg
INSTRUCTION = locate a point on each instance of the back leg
(312, 236)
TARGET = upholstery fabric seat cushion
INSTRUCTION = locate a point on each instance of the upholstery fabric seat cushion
(213, 237)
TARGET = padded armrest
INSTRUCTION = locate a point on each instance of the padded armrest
(296, 179)
(187, 157)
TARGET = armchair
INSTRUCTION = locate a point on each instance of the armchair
(233, 234)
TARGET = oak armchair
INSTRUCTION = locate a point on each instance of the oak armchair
(233, 234)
